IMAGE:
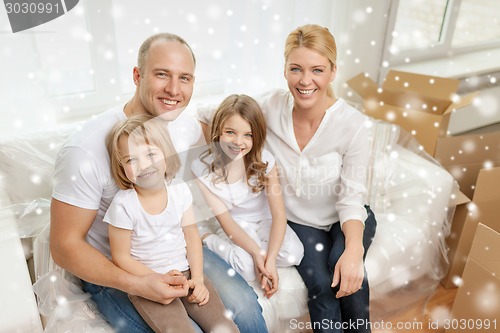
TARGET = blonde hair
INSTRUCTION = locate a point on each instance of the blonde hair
(141, 128)
(165, 36)
(248, 109)
(316, 38)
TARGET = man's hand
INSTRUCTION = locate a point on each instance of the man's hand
(163, 288)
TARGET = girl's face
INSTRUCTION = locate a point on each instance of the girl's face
(144, 164)
(308, 74)
(236, 137)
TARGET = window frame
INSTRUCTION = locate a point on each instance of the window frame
(440, 50)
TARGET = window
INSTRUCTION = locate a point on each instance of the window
(81, 63)
(427, 29)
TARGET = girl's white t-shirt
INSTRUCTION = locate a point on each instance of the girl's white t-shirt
(243, 204)
(157, 240)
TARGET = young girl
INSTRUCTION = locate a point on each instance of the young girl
(151, 226)
(239, 180)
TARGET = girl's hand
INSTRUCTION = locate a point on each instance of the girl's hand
(259, 261)
(349, 270)
(200, 293)
(270, 284)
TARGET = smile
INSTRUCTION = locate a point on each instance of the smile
(306, 92)
(146, 175)
(169, 102)
(235, 149)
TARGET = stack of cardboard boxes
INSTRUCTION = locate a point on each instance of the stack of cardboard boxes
(422, 105)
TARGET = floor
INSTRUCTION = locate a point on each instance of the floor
(423, 317)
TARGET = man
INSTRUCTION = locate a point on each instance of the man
(84, 188)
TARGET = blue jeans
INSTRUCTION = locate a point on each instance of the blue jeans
(330, 314)
(235, 293)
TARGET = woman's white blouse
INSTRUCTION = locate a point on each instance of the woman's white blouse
(325, 182)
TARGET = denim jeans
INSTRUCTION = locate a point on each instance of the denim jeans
(330, 314)
(235, 293)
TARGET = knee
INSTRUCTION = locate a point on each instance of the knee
(246, 269)
(318, 285)
(293, 254)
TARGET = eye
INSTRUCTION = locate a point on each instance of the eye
(130, 160)
(317, 71)
(230, 132)
(295, 69)
(161, 75)
(185, 78)
(151, 155)
(248, 135)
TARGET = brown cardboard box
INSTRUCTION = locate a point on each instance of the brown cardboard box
(477, 304)
(463, 156)
(420, 104)
(484, 208)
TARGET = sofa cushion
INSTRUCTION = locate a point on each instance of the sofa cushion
(27, 163)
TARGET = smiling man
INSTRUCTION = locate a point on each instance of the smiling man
(84, 188)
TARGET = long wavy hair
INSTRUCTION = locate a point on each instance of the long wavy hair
(248, 109)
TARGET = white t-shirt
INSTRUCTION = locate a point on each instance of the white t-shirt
(82, 175)
(157, 240)
(243, 204)
(326, 181)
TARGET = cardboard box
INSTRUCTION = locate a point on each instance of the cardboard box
(477, 303)
(484, 209)
(420, 104)
(463, 156)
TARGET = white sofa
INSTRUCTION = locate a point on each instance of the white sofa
(410, 194)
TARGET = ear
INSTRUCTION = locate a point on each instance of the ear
(136, 75)
(334, 72)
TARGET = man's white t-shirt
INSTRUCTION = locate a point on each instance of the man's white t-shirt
(156, 240)
(82, 175)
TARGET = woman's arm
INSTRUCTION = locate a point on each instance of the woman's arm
(349, 269)
(119, 240)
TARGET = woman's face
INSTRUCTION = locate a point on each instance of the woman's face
(308, 74)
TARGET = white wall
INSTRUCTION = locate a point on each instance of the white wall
(81, 63)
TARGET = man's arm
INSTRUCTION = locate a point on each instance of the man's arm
(71, 251)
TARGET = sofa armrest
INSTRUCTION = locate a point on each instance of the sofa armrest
(19, 313)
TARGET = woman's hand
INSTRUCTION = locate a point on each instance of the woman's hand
(349, 270)
(200, 293)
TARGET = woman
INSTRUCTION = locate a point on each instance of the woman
(322, 145)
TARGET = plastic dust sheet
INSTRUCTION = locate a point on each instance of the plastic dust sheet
(413, 199)
(66, 307)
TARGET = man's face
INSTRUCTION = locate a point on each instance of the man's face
(165, 84)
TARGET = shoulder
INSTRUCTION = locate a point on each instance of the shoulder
(123, 197)
(273, 98)
(268, 158)
(95, 130)
(350, 112)
(199, 167)
(185, 131)
(180, 194)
